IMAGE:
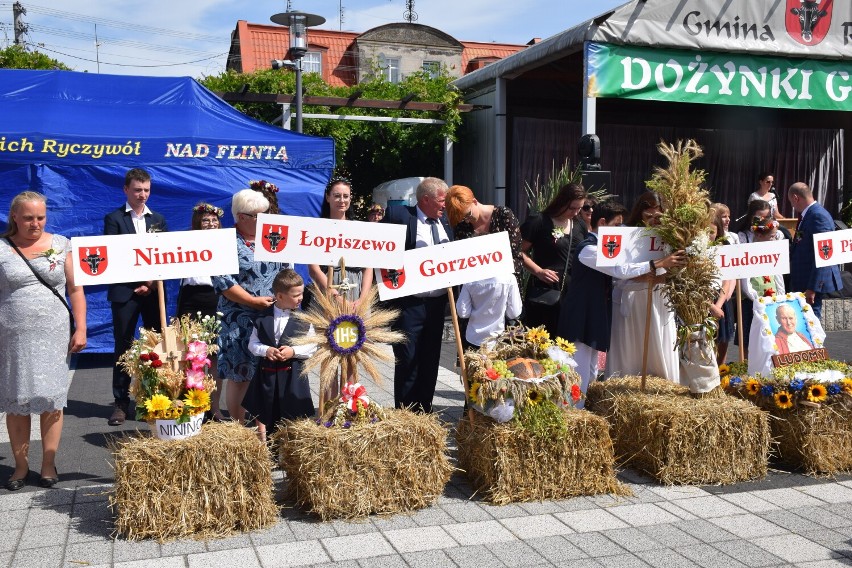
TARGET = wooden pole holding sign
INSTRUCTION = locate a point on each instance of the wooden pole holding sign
(460, 350)
(170, 340)
(650, 299)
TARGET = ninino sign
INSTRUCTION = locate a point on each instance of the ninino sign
(753, 259)
(833, 248)
(619, 245)
(442, 266)
(308, 240)
(109, 259)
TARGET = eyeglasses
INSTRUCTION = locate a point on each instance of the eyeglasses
(209, 222)
(587, 208)
(249, 215)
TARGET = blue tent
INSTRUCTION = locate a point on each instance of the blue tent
(73, 136)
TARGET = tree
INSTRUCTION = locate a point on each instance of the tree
(16, 57)
(371, 152)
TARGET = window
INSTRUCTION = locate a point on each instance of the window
(432, 68)
(389, 68)
(312, 62)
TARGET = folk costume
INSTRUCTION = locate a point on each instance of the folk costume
(278, 391)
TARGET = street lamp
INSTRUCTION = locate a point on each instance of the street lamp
(298, 23)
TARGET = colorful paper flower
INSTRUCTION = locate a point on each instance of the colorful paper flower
(796, 385)
(576, 393)
(834, 389)
(767, 390)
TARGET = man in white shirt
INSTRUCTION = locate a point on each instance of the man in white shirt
(488, 303)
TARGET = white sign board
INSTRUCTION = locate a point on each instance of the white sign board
(108, 259)
(619, 245)
(832, 248)
(442, 266)
(308, 240)
(753, 259)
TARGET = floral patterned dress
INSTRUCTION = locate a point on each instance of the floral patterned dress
(234, 361)
(34, 332)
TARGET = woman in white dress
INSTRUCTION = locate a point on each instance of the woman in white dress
(765, 192)
(35, 332)
(630, 309)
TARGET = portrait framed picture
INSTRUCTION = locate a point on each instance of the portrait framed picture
(782, 324)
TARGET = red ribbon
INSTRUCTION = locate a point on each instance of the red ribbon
(353, 394)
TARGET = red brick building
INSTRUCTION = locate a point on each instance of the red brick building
(344, 58)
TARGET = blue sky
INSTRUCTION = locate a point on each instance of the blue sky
(191, 37)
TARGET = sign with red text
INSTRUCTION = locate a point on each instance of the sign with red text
(442, 266)
(109, 259)
(753, 259)
(308, 240)
(832, 248)
(619, 245)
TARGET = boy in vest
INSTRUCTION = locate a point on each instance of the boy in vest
(278, 391)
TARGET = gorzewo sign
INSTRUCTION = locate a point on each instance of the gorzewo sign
(443, 266)
(109, 259)
(709, 77)
(286, 238)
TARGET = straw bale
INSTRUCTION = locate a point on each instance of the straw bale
(679, 439)
(817, 440)
(509, 464)
(168, 489)
(395, 465)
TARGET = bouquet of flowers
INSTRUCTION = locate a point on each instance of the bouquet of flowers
(174, 385)
(811, 384)
(353, 408)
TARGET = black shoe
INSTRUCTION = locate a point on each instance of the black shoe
(119, 414)
(15, 484)
(48, 482)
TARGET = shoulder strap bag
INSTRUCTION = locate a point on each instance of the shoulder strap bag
(544, 296)
(48, 286)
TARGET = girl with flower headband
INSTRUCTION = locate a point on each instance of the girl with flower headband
(764, 229)
(723, 309)
(197, 296)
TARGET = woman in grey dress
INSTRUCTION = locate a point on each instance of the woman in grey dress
(34, 334)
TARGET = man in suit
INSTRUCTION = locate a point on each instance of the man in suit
(421, 316)
(804, 276)
(131, 299)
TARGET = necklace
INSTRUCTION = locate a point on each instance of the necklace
(246, 241)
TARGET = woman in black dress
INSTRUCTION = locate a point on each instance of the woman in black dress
(197, 296)
(552, 236)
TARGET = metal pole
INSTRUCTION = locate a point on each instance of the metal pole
(299, 95)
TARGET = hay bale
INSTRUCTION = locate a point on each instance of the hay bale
(679, 439)
(396, 465)
(509, 464)
(817, 440)
(172, 489)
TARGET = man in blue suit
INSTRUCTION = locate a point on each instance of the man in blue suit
(421, 316)
(804, 275)
(131, 299)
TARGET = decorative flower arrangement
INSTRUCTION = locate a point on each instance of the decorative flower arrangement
(259, 185)
(353, 408)
(178, 386)
(524, 375)
(52, 255)
(557, 233)
(208, 209)
(799, 385)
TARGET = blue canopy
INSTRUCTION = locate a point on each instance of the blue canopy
(72, 136)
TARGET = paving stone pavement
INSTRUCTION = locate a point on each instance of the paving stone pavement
(786, 519)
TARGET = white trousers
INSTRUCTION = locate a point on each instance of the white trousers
(587, 367)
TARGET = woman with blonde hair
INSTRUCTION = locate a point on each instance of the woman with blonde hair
(35, 273)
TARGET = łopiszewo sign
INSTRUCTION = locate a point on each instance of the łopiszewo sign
(618, 245)
(832, 248)
(753, 259)
(442, 266)
(708, 77)
(308, 240)
(108, 259)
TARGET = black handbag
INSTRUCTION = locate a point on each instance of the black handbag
(48, 286)
(544, 295)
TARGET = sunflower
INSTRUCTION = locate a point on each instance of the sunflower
(724, 369)
(846, 384)
(817, 393)
(783, 400)
(566, 346)
(539, 336)
(473, 393)
(158, 402)
(197, 399)
(534, 397)
(752, 386)
(725, 382)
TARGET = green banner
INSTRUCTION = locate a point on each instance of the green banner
(717, 78)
